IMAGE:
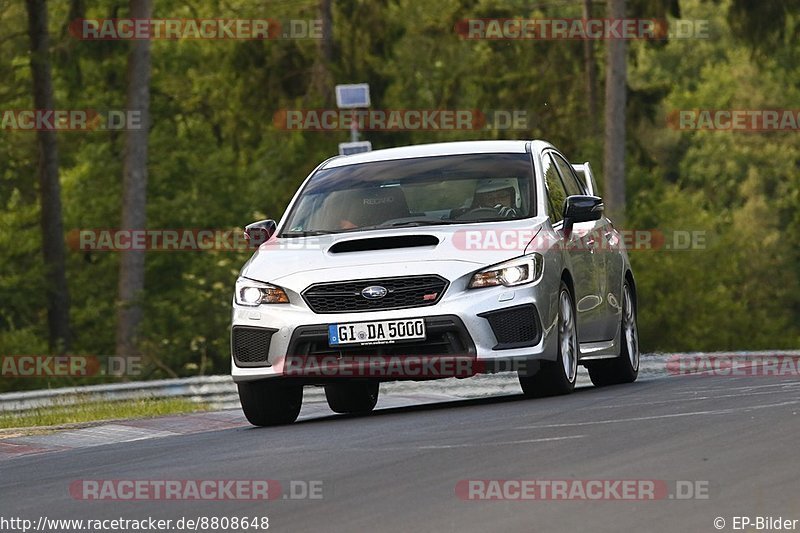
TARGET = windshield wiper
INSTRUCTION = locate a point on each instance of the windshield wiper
(398, 224)
(309, 233)
(415, 223)
(473, 221)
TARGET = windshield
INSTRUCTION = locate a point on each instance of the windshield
(414, 192)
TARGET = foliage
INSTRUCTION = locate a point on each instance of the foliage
(217, 159)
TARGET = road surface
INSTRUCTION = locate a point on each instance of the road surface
(731, 440)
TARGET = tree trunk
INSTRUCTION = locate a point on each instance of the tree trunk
(134, 188)
(49, 186)
(326, 43)
(321, 83)
(614, 151)
(591, 73)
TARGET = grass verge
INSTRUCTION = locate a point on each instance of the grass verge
(92, 411)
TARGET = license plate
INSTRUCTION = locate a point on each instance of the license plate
(383, 332)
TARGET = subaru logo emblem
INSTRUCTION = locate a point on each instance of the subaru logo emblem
(375, 292)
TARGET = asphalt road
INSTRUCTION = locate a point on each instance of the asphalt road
(397, 469)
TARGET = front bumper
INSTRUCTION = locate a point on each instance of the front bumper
(472, 323)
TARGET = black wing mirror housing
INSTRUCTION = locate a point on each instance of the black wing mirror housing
(259, 232)
(582, 208)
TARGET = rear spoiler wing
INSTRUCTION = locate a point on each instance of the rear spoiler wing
(585, 173)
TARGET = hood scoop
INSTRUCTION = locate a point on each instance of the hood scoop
(383, 243)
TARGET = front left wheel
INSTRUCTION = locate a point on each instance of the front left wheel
(559, 376)
(270, 402)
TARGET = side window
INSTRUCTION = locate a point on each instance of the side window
(555, 189)
(571, 182)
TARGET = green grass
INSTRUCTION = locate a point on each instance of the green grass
(93, 410)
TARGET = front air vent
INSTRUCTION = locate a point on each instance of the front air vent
(250, 345)
(514, 327)
(383, 243)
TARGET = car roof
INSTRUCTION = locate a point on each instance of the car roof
(436, 149)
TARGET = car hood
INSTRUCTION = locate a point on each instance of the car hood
(451, 251)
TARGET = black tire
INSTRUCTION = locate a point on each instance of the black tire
(623, 368)
(270, 403)
(352, 397)
(552, 378)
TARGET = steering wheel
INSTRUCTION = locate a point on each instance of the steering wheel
(487, 212)
(507, 212)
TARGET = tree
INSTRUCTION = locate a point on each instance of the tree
(321, 77)
(591, 71)
(49, 186)
(616, 97)
(134, 188)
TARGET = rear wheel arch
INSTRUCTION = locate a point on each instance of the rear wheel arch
(628, 278)
(625, 367)
(566, 277)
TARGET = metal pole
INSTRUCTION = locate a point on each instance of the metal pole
(354, 127)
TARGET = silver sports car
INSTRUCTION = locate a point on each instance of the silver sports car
(433, 261)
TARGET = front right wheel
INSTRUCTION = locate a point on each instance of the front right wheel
(559, 376)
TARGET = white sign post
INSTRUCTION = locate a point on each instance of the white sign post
(353, 96)
(354, 147)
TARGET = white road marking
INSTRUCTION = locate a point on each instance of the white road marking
(501, 443)
(782, 384)
(691, 399)
(412, 447)
(657, 417)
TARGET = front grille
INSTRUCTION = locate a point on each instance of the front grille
(402, 293)
(514, 327)
(250, 346)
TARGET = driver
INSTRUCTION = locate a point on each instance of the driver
(500, 194)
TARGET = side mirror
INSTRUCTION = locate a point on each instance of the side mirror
(580, 208)
(259, 232)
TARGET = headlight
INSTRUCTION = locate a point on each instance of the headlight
(519, 271)
(253, 293)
